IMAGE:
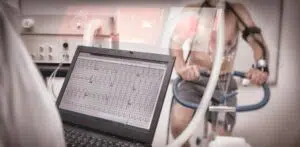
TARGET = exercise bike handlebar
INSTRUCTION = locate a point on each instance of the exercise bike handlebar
(260, 104)
(244, 108)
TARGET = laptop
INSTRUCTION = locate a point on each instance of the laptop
(113, 97)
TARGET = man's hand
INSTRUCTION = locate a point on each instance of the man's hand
(257, 77)
(189, 72)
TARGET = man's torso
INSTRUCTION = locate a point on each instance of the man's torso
(205, 57)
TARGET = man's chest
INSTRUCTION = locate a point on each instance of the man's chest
(206, 36)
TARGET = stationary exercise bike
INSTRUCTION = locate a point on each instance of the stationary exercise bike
(221, 109)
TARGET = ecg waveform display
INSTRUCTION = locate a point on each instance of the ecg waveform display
(120, 90)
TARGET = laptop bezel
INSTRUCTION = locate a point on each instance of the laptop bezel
(114, 128)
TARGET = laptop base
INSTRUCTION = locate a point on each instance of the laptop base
(82, 137)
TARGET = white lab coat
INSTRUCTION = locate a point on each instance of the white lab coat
(28, 115)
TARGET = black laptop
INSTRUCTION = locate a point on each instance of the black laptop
(113, 97)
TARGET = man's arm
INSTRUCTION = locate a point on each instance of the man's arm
(255, 39)
(176, 50)
(184, 29)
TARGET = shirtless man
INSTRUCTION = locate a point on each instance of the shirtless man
(189, 71)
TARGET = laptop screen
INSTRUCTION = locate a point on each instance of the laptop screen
(117, 89)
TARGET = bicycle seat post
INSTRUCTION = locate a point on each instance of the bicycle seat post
(222, 111)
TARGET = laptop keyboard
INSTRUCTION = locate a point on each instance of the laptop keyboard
(76, 137)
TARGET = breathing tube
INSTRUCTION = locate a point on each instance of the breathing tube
(213, 79)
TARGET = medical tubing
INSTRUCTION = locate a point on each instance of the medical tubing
(204, 103)
(53, 77)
